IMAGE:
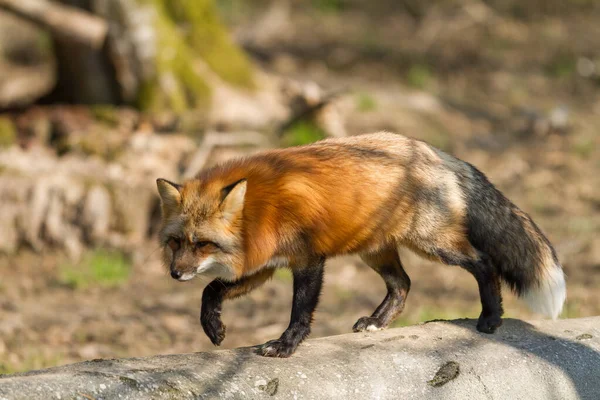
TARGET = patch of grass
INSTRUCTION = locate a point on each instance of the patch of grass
(302, 132)
(583, 147)
(419, 76)
(99, 268)
(365, 102)
(328, 6)
(562, 66)
(283, 275)
(32, 361)
(571, 309)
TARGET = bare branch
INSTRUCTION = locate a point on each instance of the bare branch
(67, 22)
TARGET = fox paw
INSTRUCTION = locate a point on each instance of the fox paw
(367, 324)
(277, 348)
(214, 329)
(489, 324)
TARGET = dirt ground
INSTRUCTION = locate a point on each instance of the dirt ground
(550, 168)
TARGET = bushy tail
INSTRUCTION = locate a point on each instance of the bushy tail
(547, 296)
(524, 257)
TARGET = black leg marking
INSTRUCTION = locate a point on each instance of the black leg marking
(210, 316)
(219, 290)
(398, 286)
(307, 289)
(488, 281)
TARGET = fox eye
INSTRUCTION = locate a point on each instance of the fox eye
(202, 244)
(174, 243)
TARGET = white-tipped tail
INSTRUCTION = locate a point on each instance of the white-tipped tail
(548, 296)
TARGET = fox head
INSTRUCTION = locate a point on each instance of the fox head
(201, 230)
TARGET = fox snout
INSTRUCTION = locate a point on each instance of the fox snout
(181, 274)
(176, 274)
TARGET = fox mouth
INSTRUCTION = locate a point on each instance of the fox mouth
(186, 277)
(182, 276)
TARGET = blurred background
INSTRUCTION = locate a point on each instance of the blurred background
(98, 98)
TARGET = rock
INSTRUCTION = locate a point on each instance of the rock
(96, 215)
(445, 374)
(529, 360)
(36, 215)
(133, 208)
(9, 237)
(72, 201)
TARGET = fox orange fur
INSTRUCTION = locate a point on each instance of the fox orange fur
(367, 194)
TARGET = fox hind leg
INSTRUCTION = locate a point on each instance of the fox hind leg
(488, 280)
(387, 264)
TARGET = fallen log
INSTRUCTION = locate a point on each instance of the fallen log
(435, 360)
(64, 21)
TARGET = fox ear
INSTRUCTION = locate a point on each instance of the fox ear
(170, 194)
(232, 196)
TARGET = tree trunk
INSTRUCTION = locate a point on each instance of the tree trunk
(151, 56)
(159, 54)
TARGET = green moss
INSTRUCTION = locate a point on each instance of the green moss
(176, 85)
(445, 374)
(206, 34)
(302, 132)
(8, 133)
(99, 268)
(271, 387)
(584, 336)
(189, 31)
(44, 44)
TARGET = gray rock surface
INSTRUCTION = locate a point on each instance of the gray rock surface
(435, 360)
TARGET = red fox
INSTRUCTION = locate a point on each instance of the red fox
(367, 194)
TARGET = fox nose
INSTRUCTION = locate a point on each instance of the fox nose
(176, 274)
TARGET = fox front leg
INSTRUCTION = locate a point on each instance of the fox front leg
(210, 316)
(219, 290)
(307, 288)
